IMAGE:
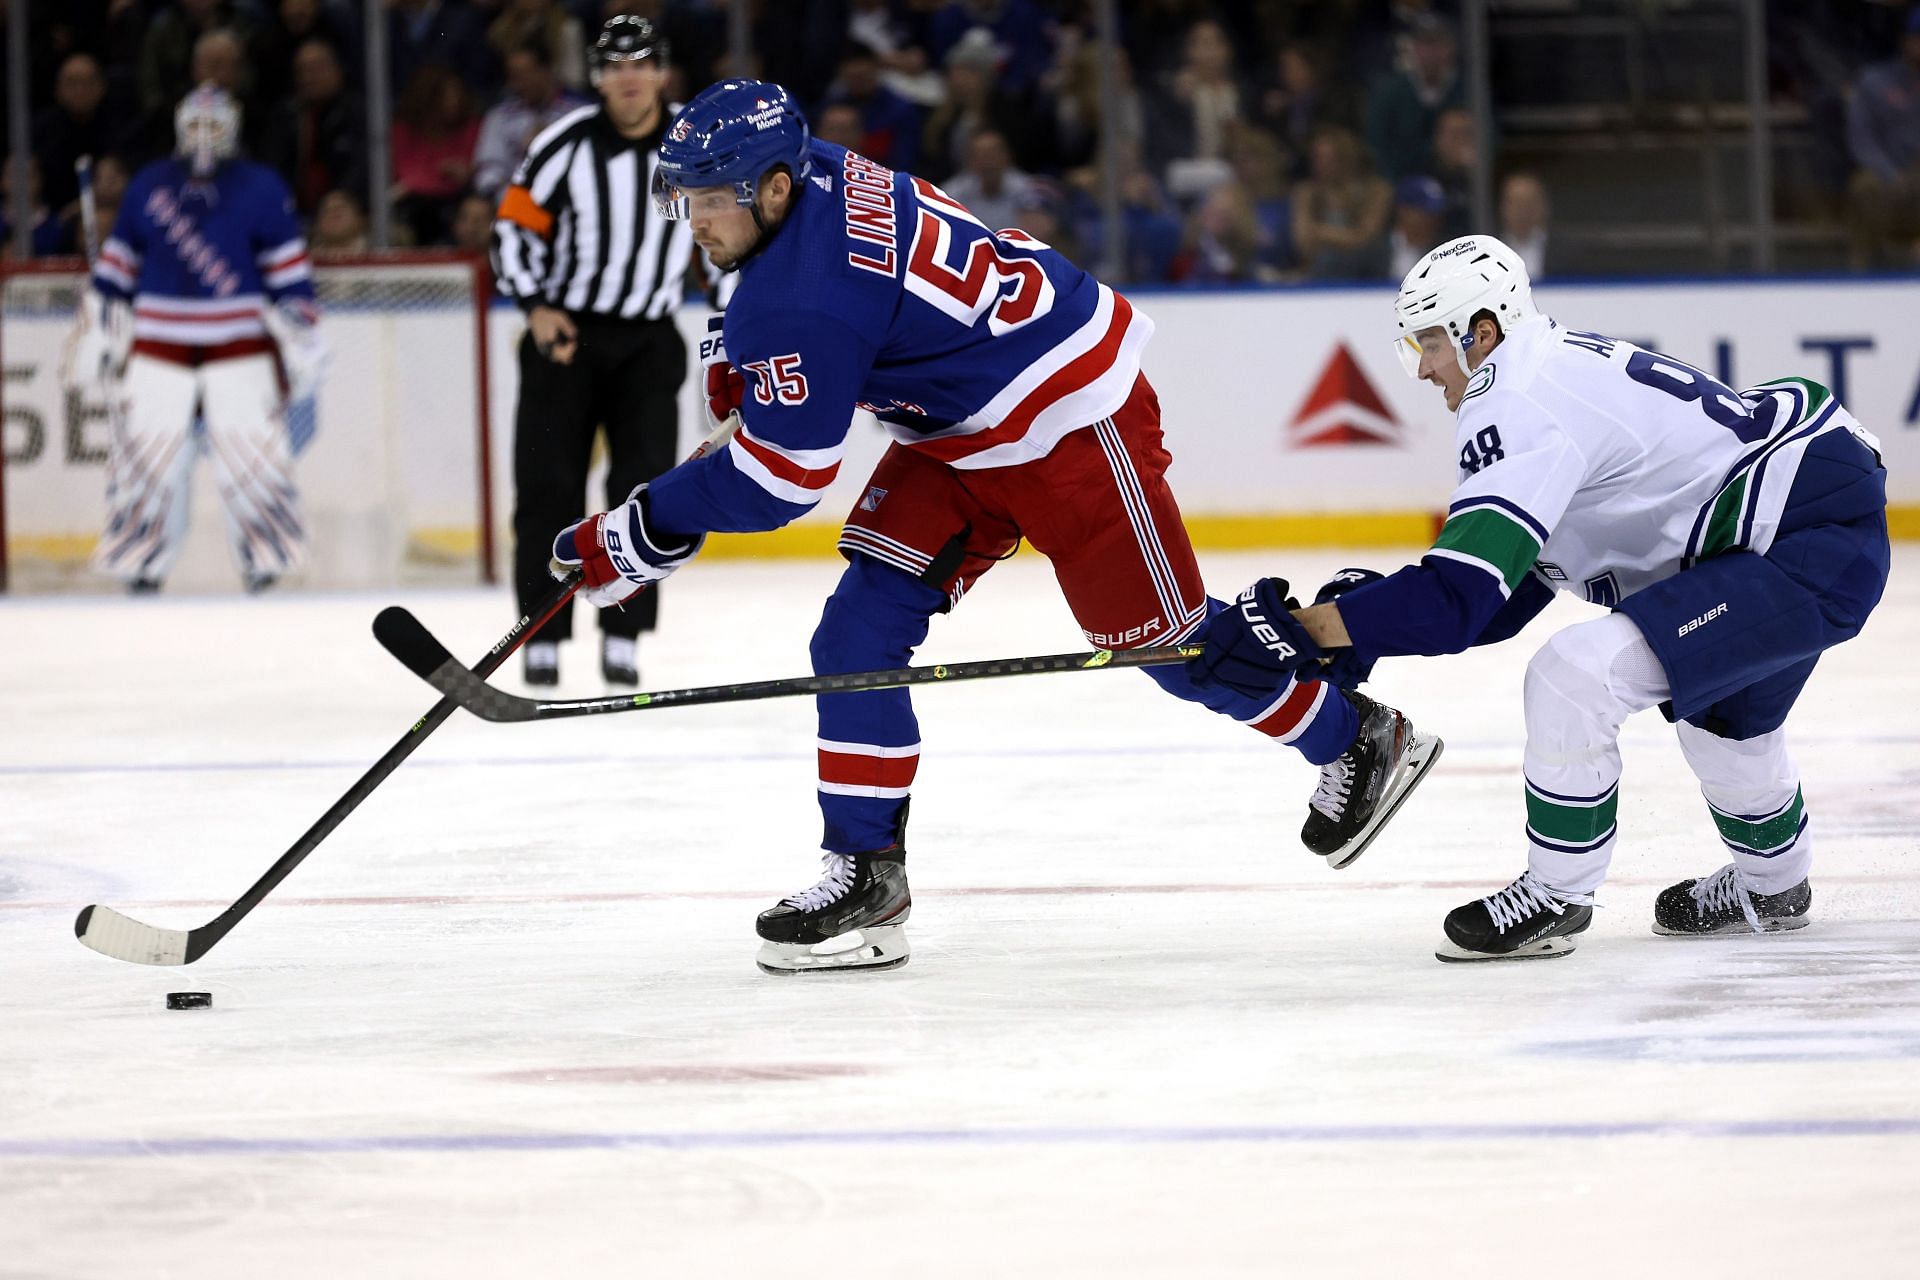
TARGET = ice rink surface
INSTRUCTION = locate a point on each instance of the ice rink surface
(506, 1022)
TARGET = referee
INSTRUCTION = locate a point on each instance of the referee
(599, 273)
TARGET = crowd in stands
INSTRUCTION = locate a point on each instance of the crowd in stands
(1259, 140)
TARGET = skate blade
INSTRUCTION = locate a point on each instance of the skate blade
(1422, 752)
(1545, 949)
(1739, 928)
(862, 950)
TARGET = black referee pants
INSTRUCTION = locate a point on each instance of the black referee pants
(624, 377)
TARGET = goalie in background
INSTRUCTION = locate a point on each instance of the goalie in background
(201, 327)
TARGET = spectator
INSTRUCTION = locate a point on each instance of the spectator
(220, 57)
(1080, 111)
(166, 56)
(897, 37)
(110, 177)
(49, 235)
(972, 104)
(1204, 99)
(1016, 26)
(1259, 166)
(839, 123)
(1456, 155)
(473, 224)
(1149, 224)
(890, 124)
(1419, 223)
(545, 24)
(339, 228)
(290, 24)
(534, 100)
(434, 130)
(318, 137)
(1524, 211)
(1224, 242)
(1340, 211)
(429, 33)
(1297, 101)
(1407, 101)
(1043, 216)
(1883, 135)
(991, 188)
(79, 123)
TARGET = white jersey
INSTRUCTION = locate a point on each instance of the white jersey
(1606, 468)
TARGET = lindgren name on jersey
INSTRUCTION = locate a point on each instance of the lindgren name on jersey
(1702, 620)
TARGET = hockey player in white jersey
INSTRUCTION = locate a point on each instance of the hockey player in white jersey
(1733, 537)
(202, 311)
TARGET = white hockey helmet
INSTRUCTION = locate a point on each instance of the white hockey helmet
(1453, 284)
(206, 127)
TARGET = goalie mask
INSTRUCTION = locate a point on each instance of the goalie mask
(206, 128)
(1453, 284)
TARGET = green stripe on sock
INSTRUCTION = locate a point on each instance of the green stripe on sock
(1759, 836)
(1571, 823)
(1495, 537)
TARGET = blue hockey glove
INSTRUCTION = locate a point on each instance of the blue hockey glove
(1254, 645)
(617, 552)
(1345, 669)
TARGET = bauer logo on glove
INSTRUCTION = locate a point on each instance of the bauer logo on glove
(617, 552)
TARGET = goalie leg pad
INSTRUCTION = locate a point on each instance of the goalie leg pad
(150, 471)
(253, 465)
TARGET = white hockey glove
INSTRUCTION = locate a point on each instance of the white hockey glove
(294, 324)
(96, 351)
(618, 552)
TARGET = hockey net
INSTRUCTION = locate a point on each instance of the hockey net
(394, 462)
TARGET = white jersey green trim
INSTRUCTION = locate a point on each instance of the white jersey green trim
(1490, 539)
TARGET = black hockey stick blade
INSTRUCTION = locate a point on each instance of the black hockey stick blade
(401, 635)
(474, 694)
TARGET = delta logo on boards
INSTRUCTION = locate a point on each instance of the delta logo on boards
(1343, 408)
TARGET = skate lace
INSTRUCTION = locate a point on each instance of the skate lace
(1527, 895)
(839, 878)
(1336, 785)
(1723, 889)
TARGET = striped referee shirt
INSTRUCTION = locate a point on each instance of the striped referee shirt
(577, 229)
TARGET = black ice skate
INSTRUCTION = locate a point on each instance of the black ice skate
(1722, 903)
(1524, 921)
(620, 661)
(854, 918)
(1362, 789)
(542, 662)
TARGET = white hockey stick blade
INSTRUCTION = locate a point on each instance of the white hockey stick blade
(123, 938)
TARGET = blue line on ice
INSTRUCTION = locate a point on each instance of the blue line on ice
(119, 1148)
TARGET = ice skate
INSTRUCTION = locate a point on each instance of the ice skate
(854, 918)
(620, 661)
(1362, 789)
(542, 662)
(1524, 921)
(1722, 903)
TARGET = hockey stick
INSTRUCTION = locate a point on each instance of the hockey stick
(89, 212)
(406, 639)
(124, 938)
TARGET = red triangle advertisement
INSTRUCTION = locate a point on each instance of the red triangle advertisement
(1343, 408)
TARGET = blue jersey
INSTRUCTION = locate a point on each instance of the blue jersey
(881, 292)
(199, 258)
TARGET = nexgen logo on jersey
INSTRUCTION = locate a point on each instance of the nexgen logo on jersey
(1343, 408)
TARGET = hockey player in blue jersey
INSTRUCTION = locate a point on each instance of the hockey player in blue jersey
(1734, 537)
(1010, 382)
(202, 306)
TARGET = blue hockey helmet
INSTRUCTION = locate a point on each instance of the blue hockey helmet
(730, 134)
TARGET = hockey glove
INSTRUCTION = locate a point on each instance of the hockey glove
(726, 388)
(617, 553)
(1345, 668)
(97, 349)
(294, 324)
(1254, 645)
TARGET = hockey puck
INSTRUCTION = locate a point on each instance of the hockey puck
(189, 999)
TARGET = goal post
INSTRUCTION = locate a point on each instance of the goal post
(395, 465)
